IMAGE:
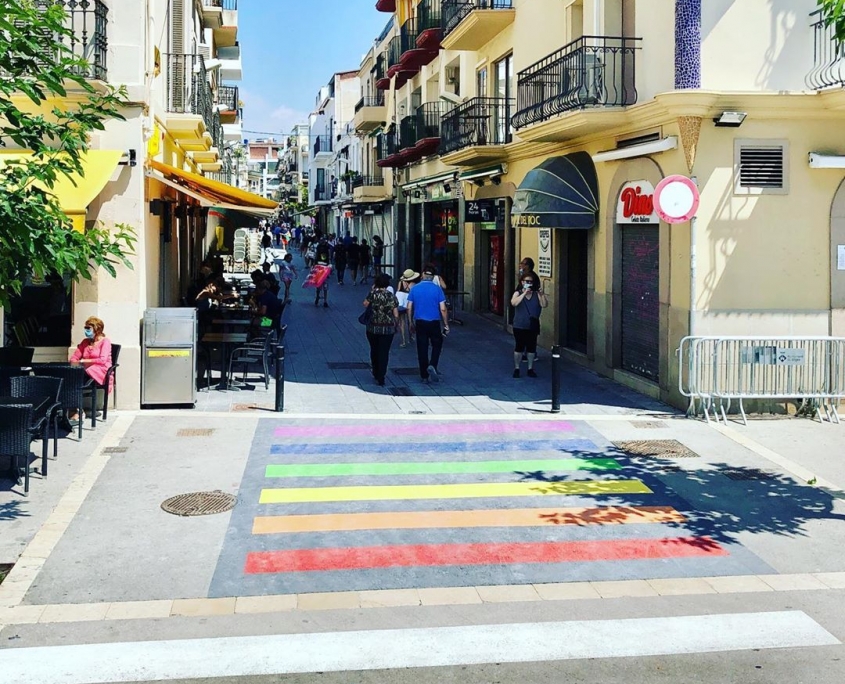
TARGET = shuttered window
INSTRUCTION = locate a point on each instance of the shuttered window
(761, 167)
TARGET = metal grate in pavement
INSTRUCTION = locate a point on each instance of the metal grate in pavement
(115, 450)
(406, 371)
(347, 365)
(649, 424)
(195, 432)
(402, 392)
(656, 448)
(747, 474)
(199, 503)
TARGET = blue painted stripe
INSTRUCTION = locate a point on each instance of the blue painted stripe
(528, 446)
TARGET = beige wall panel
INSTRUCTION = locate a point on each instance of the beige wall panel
(538, 30)
(655, 70)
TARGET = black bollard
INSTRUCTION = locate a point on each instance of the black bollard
(556, 379)
(280, 379)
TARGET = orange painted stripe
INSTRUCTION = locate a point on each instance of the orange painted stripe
(500, 517)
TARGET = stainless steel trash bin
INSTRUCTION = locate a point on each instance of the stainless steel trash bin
(168, 372)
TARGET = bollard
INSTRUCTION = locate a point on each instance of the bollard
(556, 379)
(280, 379)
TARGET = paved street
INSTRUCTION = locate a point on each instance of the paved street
(458, 529)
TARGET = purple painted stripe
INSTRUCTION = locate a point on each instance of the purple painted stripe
(423, 429)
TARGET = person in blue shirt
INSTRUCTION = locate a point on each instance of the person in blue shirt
(426, 311)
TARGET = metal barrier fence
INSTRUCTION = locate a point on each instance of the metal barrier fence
(715, 371)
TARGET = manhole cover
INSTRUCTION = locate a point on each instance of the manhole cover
(747, 474)
(115, 450)
(402, 392)
(649, 424)
(656, 448)
(199, 503)
(195, 432)
(347, 365)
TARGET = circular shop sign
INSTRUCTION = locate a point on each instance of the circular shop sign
(676, 199)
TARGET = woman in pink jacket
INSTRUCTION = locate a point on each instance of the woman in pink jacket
(93, 354)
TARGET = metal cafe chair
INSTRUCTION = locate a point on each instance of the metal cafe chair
(73, 385)
(111, 376)
(29, 386)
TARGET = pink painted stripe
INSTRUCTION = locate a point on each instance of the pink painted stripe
(426, 429)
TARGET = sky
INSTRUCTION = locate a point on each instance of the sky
(291, 48)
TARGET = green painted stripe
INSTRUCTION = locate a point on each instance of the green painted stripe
(438, 468)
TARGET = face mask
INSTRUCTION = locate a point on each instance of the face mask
(89, 334)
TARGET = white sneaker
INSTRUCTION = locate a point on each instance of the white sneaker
(432, 373)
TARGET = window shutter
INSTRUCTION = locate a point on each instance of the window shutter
(762, 166)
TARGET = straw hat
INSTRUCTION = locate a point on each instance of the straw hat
(410, 274)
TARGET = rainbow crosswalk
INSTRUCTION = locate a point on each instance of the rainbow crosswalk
(409, 504)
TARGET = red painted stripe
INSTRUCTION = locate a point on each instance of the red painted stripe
(421, 555)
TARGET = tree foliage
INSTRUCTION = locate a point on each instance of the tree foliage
(48, 106)
(833, 13)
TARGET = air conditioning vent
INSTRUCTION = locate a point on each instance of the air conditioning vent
(204, 50)
(761, 167)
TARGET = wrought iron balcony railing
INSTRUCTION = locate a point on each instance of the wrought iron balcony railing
(828, 56)
(388, 145)
(376, 100)
(479, 121)
(368, 181)
(379, 68)
(385, 31)
(455, 11)
(228, 96)
(429, 15)
(593, 71)
(429, 119)
(408, 132)
(408, 36)
(88, 38)
(187, 89)
(322, 144)
(321, 194)
(394, 51)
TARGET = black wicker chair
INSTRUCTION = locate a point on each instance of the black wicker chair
(15, 438)
(73, 378)
(92, 386)
(6, 375)
(29, 386)
(16, 356)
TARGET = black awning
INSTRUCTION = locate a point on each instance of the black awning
(560, 193)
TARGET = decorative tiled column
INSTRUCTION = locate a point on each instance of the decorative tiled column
(687, 44)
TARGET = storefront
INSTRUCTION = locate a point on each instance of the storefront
(434, 231)
(486, 225)
(559, 199)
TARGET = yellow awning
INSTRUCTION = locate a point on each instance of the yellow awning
(211, 192)
(76, 192)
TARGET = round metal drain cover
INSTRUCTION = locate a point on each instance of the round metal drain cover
(199, 503)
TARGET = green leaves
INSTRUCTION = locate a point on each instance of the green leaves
(833, 13)
(36, 237)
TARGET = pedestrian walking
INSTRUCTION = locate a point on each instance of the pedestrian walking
(287, 272)
(364, 258)
(352, 259)
(426, 311)
(340, 260)
(323, 257)
(381, 326)
(406, 282)
(378, 254)
(266, 245)
(528, 303)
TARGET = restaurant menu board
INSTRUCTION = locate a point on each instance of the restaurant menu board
(318, 275)
(544, 255)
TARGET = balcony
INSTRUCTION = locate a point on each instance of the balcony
(395, 66)
(231, 67)
(370, 113)
(593, 73)
(212, 13)
(411, 57)
(368, 189)
(228, 103)
(428, 132)
(828, 56)
(88, 37)
(388, 151)
(471, 24)
(322, 147)
(191, 116)
(322, 194)
(408, 152)
(386, 5)
(430, 25)
(476, 131)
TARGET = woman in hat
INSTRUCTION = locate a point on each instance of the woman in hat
(406, 282)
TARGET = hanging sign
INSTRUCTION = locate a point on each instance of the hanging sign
(676, 199)
(636, 203)
(544, 253)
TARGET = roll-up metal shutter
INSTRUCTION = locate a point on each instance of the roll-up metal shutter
(640, 300)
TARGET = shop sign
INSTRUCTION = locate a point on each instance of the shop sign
(480, 211)
(544, 253)
(636, 203)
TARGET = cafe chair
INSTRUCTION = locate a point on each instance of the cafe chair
(74, 379)
(16, 356)
(15, 439)
(6, 375)
(30, 387)
(91, 387)
(253, 355)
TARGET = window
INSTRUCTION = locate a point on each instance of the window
(761, 167)
(504, 77)
(481, 82)
(503, 89)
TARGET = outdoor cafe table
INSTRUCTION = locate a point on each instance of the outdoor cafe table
(39, 404)
(223, 339)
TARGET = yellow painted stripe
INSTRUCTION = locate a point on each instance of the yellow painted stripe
(499, 517)
(450, 491)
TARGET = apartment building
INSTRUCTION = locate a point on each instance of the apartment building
(331, 160)
(263, 158)
(155, 170)
(293, 171)
(540, 128)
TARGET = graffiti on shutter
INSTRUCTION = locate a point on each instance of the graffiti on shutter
(640, 300)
